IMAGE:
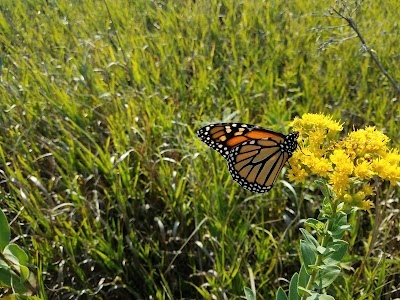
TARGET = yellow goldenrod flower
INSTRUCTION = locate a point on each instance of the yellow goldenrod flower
(297, 174)
(309, 123)
(342, 161)
(339, 182)
(322, 166)
(393, 157)
(348, 164)
(368, 190)
(357, 200)
(347, 198)
(359, 196)
(386, 170)
(368, 140)
(317, 137)
(367, 205)
(363, 170)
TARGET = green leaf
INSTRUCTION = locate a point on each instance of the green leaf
(280, 295)
(4, 231)
(335, 251)
(340, 219)
(340, 225)
(293, 294)
(249, 294)
(346, 227)
(325, 276)
(302, 282)
(339, 231)
(308, 255)
(324, 188)
(5, 276)
(315, 224)
(17, 285)
(303, 291)
(15, 255)
(9, 279)
(24, 273)
(316, 296)
(309, 239)
(16, 251)
(312, 221)
(326, 210)
(321, 249)
(340, 207)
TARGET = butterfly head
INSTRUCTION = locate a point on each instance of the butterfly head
(290, 143)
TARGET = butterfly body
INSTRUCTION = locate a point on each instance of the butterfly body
(255, 155)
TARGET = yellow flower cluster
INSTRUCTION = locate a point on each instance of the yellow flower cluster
(347, 164)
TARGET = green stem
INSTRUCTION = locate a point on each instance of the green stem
(324, 242)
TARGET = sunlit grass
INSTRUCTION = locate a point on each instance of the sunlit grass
(101, 170)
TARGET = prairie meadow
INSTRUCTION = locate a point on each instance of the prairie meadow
(110, 193)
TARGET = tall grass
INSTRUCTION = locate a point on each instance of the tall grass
(108, 188)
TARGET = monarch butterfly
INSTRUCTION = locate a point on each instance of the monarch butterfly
(255, 155)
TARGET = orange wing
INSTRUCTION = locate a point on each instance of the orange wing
(255, 155)
(223, 137)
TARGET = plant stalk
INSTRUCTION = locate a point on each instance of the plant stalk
(324, 242)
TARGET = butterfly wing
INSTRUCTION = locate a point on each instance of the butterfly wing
(256, 164)
(255, 155)
(223, 137)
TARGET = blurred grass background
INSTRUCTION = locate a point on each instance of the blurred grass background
(104, 181)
